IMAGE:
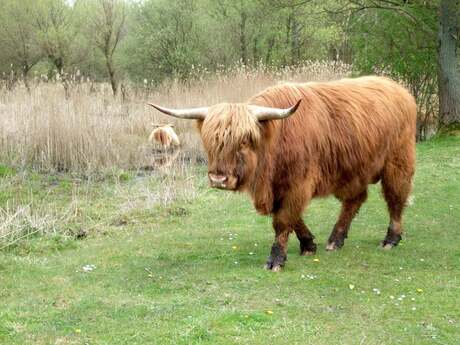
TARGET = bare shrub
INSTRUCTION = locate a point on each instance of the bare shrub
(72, 215)
(18, 223)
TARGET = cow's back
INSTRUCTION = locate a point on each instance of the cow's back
(343, 132)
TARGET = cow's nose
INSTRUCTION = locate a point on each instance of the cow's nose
(217, 178)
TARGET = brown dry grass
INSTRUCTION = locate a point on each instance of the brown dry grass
(90, 131)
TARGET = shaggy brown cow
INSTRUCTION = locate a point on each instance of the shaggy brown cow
(294, 142)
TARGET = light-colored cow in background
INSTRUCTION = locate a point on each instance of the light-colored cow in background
(168, 151)
(164, 135)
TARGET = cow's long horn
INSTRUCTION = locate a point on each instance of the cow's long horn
(267, 113)
(189, 114)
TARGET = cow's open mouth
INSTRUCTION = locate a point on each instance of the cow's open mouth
(224, 182)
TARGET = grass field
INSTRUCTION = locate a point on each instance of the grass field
(115, 264)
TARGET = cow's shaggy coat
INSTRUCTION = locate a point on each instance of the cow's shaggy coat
(344, 136)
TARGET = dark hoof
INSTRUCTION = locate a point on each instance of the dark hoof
(331, 247)
(336, 240)
(308, 249)
(335, 244)
(273, 268)
(276, 259)
(391, 240)
(389, 244)
(275, 264)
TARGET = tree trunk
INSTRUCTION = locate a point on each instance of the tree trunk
(25, 75)
(295, 49)
(448, 72)
(255, 50)
(112, 77)
(268, 55)
(244, 54)
(288, 39)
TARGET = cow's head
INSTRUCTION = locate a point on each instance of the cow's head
(231, 135)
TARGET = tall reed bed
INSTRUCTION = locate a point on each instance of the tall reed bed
(81, 127)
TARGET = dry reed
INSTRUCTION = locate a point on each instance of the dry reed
(83, 128)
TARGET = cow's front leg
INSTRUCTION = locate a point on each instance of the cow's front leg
(278, 254)
(307, 245)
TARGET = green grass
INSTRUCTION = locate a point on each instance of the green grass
(191, 272)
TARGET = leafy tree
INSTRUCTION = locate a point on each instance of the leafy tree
(56, 35)
(166, 40)
(106, 28)
(413, 40)
(19, 40)
(404, 38)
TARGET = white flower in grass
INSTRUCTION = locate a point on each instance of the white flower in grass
(410, 200)
(89, 268)
(308, 276)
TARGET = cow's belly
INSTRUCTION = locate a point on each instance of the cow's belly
(348, 183)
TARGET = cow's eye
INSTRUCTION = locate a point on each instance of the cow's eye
(245, 143)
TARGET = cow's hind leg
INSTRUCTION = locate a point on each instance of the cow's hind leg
(396, 185)
(350, 208)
